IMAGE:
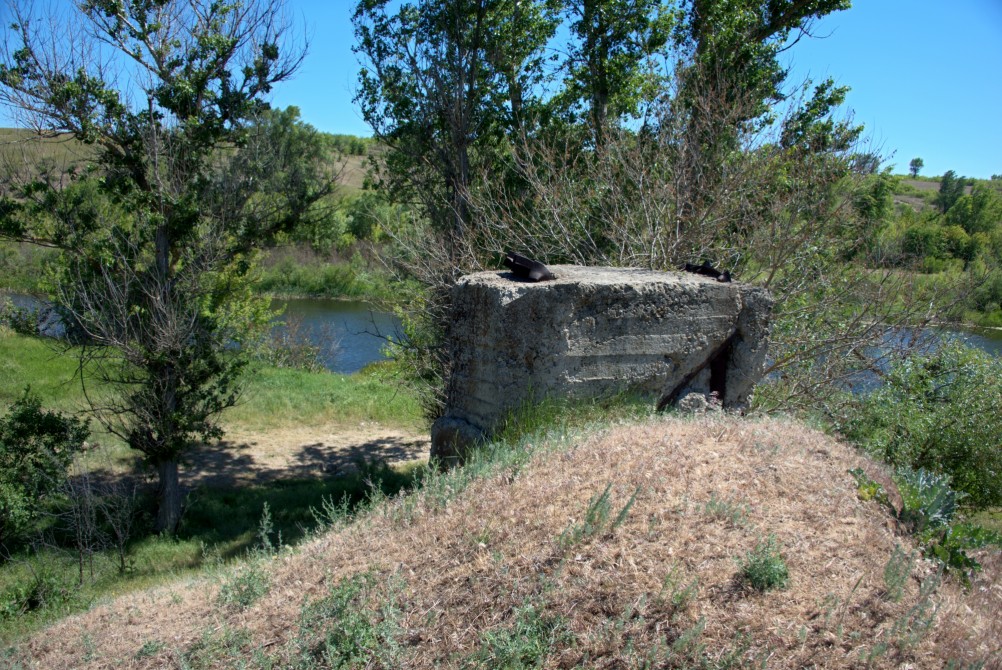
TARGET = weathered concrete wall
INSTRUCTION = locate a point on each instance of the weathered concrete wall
(593, 332)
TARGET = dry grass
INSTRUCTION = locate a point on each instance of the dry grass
(460, 571)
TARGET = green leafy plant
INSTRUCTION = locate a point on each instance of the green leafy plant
(36, 448)
(726, 510)
(763, 568)
(927, 501)
(19, 319)
(246, 588)
(342, 630)
(868, 489)
(526, 644)
(913, 420)
(928, 508)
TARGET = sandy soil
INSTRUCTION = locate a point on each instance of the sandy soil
(295, 453)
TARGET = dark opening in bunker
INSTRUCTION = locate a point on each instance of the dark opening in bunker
(717, 364)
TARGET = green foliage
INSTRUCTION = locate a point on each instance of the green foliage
(610, 60)
(343, 630)
(252, 581)
(915, 166)
(157, 238)
(940, 412)
(977, 212)
(951, 188)
(350, 145)
(246, 587)
(19, 319)
(897, 572)
(868, 489)
(45, 587)
(733, 513)
(23, 267)
(763, 568)
(291, 275)
(527, 643)
(36, 448)
(927, 501)
(927, 509)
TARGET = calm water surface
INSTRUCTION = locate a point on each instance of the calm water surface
(358, 332)
(350, 334)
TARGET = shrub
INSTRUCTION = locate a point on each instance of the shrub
(36, 448)
(940, 412)
(928, 505)
(927, 501)
(20, 320)
(341, 630)
(764, 568)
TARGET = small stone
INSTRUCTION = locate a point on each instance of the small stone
(693, 403)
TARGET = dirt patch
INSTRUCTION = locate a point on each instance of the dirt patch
(298, 453)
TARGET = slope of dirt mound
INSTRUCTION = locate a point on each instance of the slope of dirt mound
(620, 549)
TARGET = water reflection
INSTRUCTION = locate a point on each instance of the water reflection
(360, 333)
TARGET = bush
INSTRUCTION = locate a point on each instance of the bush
(941, 412)
(20, 320)
(764, 568)
(36, 448)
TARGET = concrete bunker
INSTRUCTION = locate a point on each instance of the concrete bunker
(594, 332)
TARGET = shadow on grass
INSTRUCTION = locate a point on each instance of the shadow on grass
(43, 582)
(229, 517)
(229, 464)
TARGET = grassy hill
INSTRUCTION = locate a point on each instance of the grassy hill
(637, 545)
(22, 151)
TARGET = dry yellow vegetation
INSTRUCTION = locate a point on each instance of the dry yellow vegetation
(657, 586)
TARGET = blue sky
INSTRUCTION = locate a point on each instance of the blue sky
(926, 76)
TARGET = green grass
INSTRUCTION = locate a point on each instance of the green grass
(272, 398)
(299, 273)
(278, 398)
(41, 364)
(22, 267)
(219, 524)
(989, 519)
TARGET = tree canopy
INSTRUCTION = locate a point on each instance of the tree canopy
(157, 236)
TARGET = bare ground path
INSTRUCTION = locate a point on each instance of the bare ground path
(301, 452)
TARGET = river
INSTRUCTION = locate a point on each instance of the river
(350, 334)
(360, 332)
(357, 331)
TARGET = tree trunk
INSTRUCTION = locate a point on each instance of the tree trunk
(168, 497)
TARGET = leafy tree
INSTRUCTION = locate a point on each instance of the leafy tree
(915, 166)
(36, 448)
(980, 211)
(440, 85)
(609, 68)
(951, 187)
(673, 135)
(157, 237)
